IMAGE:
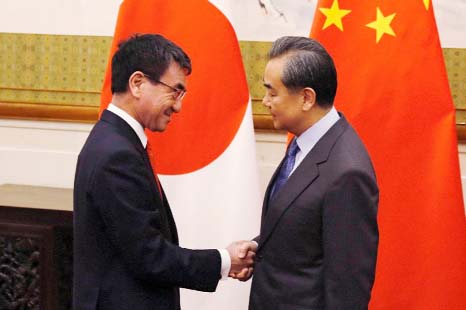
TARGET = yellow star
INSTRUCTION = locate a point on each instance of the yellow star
(334, 15)
(426, 3)
(382, 25)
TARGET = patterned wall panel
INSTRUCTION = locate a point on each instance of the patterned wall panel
(52, 69)
(254, 60)
(68, 70)
(455, 61)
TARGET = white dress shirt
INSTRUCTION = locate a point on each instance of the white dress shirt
(308, 139)
(139, 130)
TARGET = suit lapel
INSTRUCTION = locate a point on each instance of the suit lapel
(170, 229)
(126, 130)
(301, 178)
(171, 219)
(160, 199)
(304, 175)
(268, 191)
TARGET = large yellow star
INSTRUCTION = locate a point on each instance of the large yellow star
(334, 15)
(426, 3)
(382, 25)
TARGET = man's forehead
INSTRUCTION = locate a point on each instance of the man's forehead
(175, 69)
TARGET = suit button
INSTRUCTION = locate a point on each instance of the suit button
(259, 257)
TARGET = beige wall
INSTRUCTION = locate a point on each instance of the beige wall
(45, 153)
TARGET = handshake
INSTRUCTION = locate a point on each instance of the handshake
(242, 254)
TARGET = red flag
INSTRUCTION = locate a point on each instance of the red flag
(393, 88)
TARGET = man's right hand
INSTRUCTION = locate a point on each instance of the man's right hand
(242, 254)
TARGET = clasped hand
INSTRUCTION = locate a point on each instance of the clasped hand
(242, 254)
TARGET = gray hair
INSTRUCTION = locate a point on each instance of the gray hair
(308, 65)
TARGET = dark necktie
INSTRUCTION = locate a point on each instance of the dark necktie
(286, 167)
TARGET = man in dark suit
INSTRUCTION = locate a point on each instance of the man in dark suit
(126, 253)
(318, 240)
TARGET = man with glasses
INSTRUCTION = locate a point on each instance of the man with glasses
(126, 253)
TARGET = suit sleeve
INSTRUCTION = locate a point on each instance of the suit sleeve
(350, 240)
(121, 189)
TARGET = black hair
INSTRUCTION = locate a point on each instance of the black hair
(148, 53)
(308, 65)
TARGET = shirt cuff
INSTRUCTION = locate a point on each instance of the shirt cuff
(226, 263)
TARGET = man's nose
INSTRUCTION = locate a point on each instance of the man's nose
(177, 106)
(266, 101)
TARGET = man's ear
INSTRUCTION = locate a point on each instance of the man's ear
(135, 82)
(309, 98)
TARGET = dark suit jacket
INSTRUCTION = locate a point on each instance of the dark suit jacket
(318, 238)
(126, 253)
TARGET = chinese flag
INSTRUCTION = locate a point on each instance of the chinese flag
(393, 88)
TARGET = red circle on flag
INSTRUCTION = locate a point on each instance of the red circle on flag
(217, 96)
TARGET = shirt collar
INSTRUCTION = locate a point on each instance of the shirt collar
(137, 127)
(308, 139)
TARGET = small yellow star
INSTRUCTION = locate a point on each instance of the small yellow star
(382, 25)
(334, 15)
(426, 3)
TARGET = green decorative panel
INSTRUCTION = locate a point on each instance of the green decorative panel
(50, 96)
(69, 70)
(52, 69)
(254, 59)
(455, 61)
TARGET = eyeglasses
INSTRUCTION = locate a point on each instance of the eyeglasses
(178, 92)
